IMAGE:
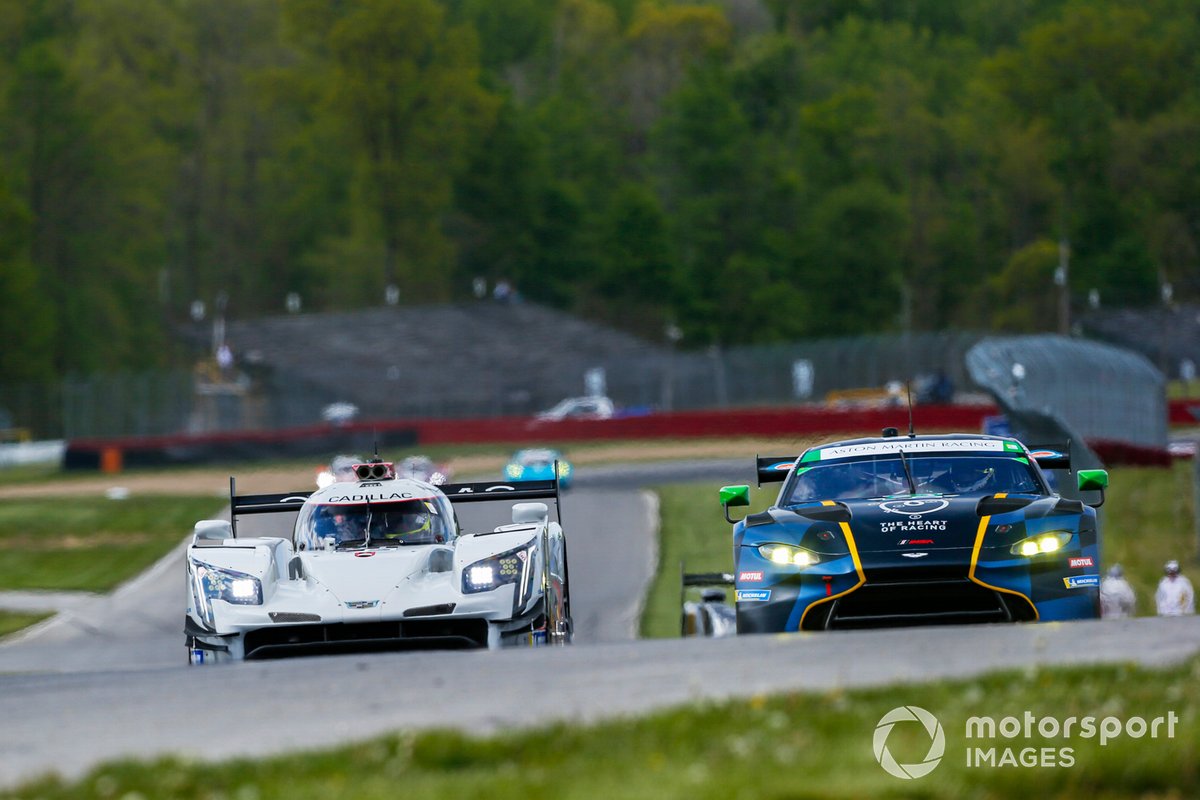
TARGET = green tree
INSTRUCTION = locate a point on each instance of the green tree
(410, 88)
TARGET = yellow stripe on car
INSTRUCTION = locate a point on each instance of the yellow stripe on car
(983, 523)
(862, 578)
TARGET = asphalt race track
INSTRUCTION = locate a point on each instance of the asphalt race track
(75, 694)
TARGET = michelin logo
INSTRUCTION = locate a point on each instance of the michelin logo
(1081, 581)
(753, 595)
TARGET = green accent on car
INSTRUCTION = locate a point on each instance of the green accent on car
(1022, 460)
(1093, 480)
(811, 455)
(733, 496)
(1013, 447)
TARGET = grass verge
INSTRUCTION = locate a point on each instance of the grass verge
(91, 543)
(790, 746)
(1147, 520)
(13, 621)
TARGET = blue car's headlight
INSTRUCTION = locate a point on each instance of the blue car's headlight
(514, 470)
(788, 555)
(1041, 544)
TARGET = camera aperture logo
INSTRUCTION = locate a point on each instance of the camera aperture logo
(937, 745)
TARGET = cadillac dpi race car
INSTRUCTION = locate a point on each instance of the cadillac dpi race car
(910, 530)
(377, 563)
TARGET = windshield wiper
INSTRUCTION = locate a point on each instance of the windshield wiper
(367, 529)
(912, 486)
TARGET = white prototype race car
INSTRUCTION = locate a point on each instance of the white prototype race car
(378, 563)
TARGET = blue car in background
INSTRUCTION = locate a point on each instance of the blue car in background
(537, 464)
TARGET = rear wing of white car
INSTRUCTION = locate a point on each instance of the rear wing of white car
(500, 491)
(261, 503)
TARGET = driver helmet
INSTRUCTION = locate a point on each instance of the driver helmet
(1171, 568)
(1115, 571)
(968, 475)
(412, 521)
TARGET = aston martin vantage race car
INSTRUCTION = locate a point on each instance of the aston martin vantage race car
(378, 562)
(910, 530)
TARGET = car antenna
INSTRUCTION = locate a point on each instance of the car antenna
(908, 388)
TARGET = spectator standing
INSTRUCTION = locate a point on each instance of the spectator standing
(1117, 599)
(1175, 596)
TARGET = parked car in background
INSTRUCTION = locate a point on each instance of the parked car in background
(597, 407)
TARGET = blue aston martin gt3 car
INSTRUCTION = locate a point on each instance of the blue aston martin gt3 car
(911, 530)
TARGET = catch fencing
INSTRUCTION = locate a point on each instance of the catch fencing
(1098, 391)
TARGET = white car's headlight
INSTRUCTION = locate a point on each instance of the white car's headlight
(228, 585)
(788, 555)
(514, 566)
(1042, 544)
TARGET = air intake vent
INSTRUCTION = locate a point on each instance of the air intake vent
(430, 611)
(291, 616)
(837, 512)
(1000, 505)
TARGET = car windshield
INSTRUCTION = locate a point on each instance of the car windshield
(535, 458)
(352, 525)
(883, 477)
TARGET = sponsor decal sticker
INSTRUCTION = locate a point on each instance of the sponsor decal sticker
(911, 446)
(913, 508)
(1081, 581)
(1086, 561)
(374, 498)
(911, 525)
(750, 577)
(913, 542)
(782, 466)
(753, 595)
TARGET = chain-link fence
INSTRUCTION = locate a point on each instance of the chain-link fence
(1100, 390)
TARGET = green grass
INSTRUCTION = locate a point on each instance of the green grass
(789, 746)
(13, 621)
(1147, 520)
(90, 543)
(694, 532)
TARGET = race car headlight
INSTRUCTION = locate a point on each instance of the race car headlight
(228, 585)
(514, 566)
(514, 470)
(564, 469)
(1041, 544)
(788, 555)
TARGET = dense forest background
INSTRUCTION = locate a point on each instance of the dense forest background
(750, 170)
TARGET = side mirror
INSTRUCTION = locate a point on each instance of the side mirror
(529, 513)
(733, 496)
(212, 530)
(1093, 480)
